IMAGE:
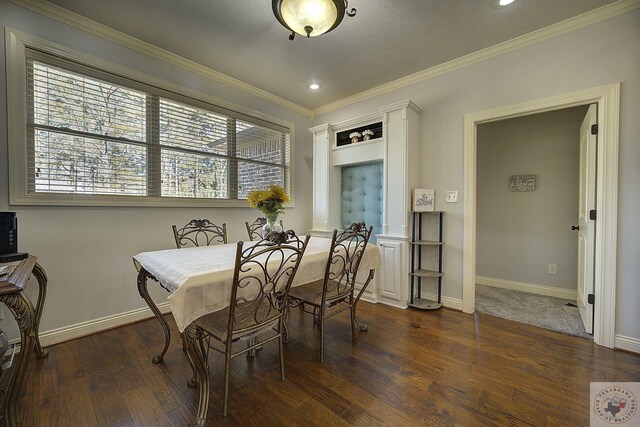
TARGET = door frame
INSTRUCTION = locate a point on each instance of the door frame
(608, 100)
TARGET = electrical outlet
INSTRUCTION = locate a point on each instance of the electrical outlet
(451, 196)
(553, 269)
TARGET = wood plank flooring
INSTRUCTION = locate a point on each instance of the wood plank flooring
(440, 368)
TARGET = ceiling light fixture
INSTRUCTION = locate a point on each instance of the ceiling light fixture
(499, 4)
(311, 18)
(314, 86)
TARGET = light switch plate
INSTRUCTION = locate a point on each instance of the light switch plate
(452, 196)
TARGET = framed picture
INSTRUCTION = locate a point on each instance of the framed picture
(424, 200)
(522, 183)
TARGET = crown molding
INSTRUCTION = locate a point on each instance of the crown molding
(400, 105)
(554, 30)
(85, 24)
(325, 127)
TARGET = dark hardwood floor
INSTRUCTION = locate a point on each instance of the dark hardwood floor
(411, 368)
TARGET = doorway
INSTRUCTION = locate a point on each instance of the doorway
(607, 100)
(527, 185)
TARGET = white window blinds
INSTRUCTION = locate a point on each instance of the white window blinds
(94, 133)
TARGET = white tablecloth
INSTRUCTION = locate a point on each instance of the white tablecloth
(200, 277)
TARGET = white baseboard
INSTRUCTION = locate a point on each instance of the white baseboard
(370, 294)
(528, 287)
(66, 333)
(448, 302)
(370, 298)
(391, 302)
(627, 343)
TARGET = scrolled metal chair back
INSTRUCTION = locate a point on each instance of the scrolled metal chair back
(262, 278)
(254, 230)
(200, 232)
(347, 249)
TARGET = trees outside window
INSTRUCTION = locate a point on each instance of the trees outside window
(90, 133)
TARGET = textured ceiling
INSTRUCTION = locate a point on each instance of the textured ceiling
(388, 39)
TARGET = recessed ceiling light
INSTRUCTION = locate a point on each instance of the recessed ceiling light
(314, 86)
(505, 2)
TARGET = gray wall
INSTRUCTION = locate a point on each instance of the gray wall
(87, 251)
(603, 53)
(518, 234)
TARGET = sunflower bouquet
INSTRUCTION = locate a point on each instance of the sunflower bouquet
(270, 201)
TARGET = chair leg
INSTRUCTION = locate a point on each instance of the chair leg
(227, 369)
(316, 319)
(321, 324)
(281, 345)
(285, 332)
(353, 321)
(250, 342)
(192, 335)
(184, 343)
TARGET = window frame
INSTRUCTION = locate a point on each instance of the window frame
(16, 47)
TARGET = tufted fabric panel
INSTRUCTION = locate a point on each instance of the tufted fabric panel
(361, 196)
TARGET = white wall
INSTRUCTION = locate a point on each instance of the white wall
(602, 53)
(518, 234)
(87, 252)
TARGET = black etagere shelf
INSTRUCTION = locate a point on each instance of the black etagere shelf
(418, 273)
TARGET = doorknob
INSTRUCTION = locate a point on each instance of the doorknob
(575, 227)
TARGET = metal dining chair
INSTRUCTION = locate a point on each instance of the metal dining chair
(262, 279)
(199, 232)
(333, 293)
(254, 229)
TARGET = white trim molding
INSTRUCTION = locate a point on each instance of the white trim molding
(608, 100)
(90, 26)
(554, 30)
(71, 332)
(527, 287)
(628, 344)
(448, 302)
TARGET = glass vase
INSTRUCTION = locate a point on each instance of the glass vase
(272, 224)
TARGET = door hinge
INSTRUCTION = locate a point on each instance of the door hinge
(591, 299)
(592, 214)
(594, 129)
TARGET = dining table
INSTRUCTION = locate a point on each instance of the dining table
(199, 280)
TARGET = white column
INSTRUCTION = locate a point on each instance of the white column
(326, 183)
(401, 124)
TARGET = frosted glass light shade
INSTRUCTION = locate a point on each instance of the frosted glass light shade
(309, 17)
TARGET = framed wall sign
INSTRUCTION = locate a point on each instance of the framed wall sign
(522, 183)
(424, 200)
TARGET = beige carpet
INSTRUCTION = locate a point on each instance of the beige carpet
(537, 310)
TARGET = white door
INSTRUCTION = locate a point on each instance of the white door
(586, 226)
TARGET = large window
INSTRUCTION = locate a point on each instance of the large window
(92, 136)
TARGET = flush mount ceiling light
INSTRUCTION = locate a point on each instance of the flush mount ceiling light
(311, 18)
(501, 3)
(314, 86)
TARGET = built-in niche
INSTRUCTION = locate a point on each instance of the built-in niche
(344, 138)
(371, 181)
(361, 196)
